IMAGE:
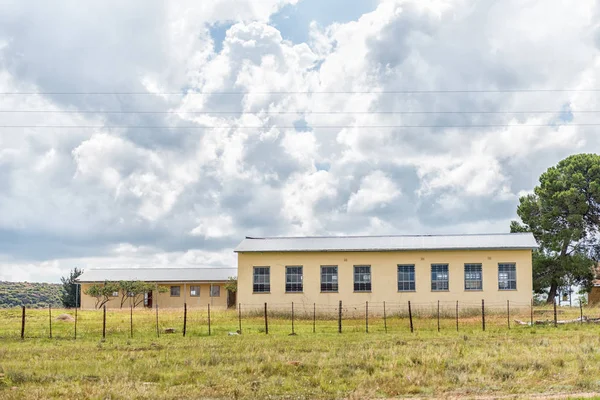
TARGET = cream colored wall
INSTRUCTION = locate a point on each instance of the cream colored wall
(384, 276)
(165, 300)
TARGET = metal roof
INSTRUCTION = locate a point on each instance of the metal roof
(389, 243)
(158, 274)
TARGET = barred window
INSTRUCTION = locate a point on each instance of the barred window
(194, 291)
(329, 278)
(406, 278)
(215, 291)
(261, 280)
(115, 294)
(439, 277)
(473, 277)
(507, 276)
(293, 279)
(175, 291)
(362, 278)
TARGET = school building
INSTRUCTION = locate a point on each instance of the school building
(356, 269)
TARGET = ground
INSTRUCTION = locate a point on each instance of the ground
(523, 362)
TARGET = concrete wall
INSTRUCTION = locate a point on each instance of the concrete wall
(165, 300)
(384, 276)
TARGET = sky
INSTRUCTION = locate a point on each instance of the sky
(156, 134)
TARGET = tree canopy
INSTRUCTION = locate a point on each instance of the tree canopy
(563, 213)
(70, 294)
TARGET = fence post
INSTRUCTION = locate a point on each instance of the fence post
(75, 336)
(157, 329)
(367, 317)
(410, 317)
(483, 314)
(314, 317)
(23, 324)
(50, 318)
(580, 312)
(184, 318)
(456, 315)
(240, 317)
(438, 316)
(293, 332)
(104, 322)
(208, 319)
(266, 320)
(555, 320)
(531, 312)
(131, 317)
(508, 313)
(384, 318)
(340, 318)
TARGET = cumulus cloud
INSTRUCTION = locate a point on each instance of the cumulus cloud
(260, 135)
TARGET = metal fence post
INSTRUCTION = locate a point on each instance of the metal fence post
(184, 318)
(438, 316)
(384, 318)
(410, 317)
(209, 320)
(50, 319)
(104, 322)
(580, 312)
(483, 314)
(340, 318)
(266, 321)
(75, 333)
(555, 320)
(531, 317)
(23, 324)
(240, 317)
(130, 317)
(456, 315)
(314, 317)
(367, 317)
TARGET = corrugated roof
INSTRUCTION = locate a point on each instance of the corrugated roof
(158, 274)
(389, 243)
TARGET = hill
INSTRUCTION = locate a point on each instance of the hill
(16, 294)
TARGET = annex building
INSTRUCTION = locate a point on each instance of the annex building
(356, 269)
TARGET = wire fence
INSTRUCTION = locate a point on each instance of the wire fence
(287, 319)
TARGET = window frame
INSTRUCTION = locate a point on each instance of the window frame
(178, 290)
(480, 280)
(211, 291)
(331, 282)
(296, 275)
(266, 285)
(192, 287)
(437, 281)
(115, 294)
(508, 279)
(368, 286)
(412, 283)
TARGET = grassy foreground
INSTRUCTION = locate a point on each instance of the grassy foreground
(323, 365)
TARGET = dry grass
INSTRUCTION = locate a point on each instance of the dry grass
(323, 365)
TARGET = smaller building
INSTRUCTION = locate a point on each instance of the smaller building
(197, 287)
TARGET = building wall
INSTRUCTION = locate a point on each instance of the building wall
(384, 277)
(165, 300)
(594, 296)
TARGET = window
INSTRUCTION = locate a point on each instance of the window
(115, 294)
(507, 276)
(362, 278)
(175, 291)
(473, 277)
(194, 291)
(293, 279)
(406, 278)
(439, 277)
(215, 291)
(261, 280)
(329, 278)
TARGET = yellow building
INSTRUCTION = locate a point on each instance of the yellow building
(395, 269)
(197, 287)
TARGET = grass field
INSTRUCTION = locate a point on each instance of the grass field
(522, 361)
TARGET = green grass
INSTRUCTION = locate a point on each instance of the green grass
(322, 365)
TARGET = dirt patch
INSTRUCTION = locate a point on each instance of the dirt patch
(65, 317)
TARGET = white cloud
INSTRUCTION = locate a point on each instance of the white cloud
(376, 191)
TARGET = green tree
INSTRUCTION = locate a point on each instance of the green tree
(70, 296)
(102, 292)
(563, 214)
(135, 290)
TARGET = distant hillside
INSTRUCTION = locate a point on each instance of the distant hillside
(16, 294)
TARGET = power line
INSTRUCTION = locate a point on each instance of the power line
(295, 112)
(290, 127)
(226, 93)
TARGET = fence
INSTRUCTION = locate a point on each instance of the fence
(290, 318)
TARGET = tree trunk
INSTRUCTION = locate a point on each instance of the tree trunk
(552, 292)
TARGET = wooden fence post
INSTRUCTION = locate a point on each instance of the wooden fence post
(104, 322)
(384, 318)
(555, 320)
(438, 316)
(184, 318)
(209, 320)
(75, 334)
(314, 317)
(367, 317)
(410, 317)
(50, 319)
(240, 318)
(266, 321)
(456, 315)
(482, 314)
(293, 331)
(23, 324)
(340, 318)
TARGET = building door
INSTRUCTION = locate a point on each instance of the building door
(148, 299)
(230, 299)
